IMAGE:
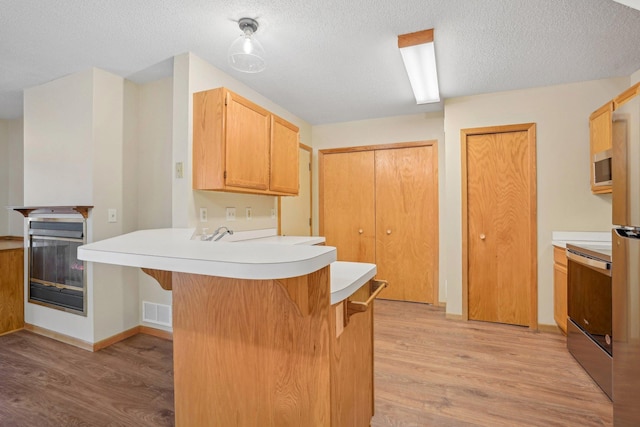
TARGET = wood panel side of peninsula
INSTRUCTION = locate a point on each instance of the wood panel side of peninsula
(269, 353)
(245, 355)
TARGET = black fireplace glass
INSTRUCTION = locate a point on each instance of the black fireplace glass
(56, 276)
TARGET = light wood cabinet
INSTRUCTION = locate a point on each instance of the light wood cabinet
(285, 357)
(625, 96)
(600, 137)
(352, 396)
(379, 205)
(239, 146)
(11, 285)
(560, 287)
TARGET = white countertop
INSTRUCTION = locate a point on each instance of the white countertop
(172, 249)
(348, 277)
(289, 240)
(266, 235)
(594, 238)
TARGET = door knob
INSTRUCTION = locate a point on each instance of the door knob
(361, 231)
(388, 231)
(482, 237)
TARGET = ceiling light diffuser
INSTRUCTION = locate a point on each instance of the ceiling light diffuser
(246, 53)
(418, 55)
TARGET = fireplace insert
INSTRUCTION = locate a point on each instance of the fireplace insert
(57, 279)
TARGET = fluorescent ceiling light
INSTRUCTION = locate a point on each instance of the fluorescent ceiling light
(418, 55)
(631, 3)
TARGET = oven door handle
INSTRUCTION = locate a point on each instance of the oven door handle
(590, 262)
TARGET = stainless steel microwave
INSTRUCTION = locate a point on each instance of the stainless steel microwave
(602, 168)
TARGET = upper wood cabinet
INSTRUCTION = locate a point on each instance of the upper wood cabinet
(239, 146)
(600, 138)
(625, 96)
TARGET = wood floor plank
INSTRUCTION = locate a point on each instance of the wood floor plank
(47, 383)
(429, 371)
(434, 371)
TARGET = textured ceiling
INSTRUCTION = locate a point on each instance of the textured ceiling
(330, 60)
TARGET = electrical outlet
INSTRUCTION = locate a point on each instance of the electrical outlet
(231, 214)
(273, 213)
(203, 215)
(248, 214)
(112, 215)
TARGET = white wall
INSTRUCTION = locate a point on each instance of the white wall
(419, 127)
(155, 115)
(4, 177)
(115, 288)
(635, 78)
(74, 149)
(58, 128)
(11, 177)
(565, 202)
(16, 175)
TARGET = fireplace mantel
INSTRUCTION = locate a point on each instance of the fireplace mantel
(27, 210)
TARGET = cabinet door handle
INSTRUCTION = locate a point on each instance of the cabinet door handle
(354, 307)
(389, 231)
(482, 237)
(360, 231)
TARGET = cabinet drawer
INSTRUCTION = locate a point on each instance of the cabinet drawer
(559, 256)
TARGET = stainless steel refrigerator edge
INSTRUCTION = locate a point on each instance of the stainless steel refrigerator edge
(626, 264)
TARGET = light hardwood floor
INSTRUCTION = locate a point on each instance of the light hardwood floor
(429, 371)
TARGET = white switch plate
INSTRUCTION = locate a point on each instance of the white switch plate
(112, 215)
(273, 213)
(248, 214)
(231, 214)
(179, 170)
(203, 215)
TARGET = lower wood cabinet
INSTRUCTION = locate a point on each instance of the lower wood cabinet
(11, 286)
(352, 363)
(272, 353)
(560, 287)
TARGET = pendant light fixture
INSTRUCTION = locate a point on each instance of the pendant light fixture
(419, 57)
(246, 53)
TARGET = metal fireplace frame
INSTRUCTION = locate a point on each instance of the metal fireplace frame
(30, 235)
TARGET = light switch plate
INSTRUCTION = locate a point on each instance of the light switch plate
(112, 215)
(204, 217)
(248, 214)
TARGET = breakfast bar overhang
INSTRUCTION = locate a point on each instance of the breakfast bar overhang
(263, 334)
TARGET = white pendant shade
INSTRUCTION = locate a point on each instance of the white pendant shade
(246, 53)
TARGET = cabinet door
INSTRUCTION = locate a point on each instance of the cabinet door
(600, 136)
(352, 365)
(11, 290)
(247, 144)
(348, 203)
(560, 288)
(284, 156)
(407, 222)
(295, 212)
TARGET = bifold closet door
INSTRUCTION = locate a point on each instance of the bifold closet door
(407, 222)
(348, 205)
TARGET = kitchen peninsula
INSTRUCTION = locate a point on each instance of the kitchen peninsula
(264, 333)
